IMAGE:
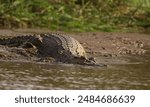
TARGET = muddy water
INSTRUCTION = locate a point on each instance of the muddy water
(128, 73)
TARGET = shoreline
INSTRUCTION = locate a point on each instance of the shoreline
(101, 44)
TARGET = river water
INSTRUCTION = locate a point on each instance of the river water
(127, 73)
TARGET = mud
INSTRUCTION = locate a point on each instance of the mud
(96, 44)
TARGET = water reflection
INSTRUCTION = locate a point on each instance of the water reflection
(15, 75)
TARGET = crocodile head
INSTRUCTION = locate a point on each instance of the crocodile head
(86, 61)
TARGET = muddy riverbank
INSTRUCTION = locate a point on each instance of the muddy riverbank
(96, 44)
(126, 54)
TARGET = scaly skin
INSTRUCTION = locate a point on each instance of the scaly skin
(60, 47)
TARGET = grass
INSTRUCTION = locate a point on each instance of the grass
(76, 15)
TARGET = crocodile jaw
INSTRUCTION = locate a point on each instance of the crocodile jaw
(85, 61)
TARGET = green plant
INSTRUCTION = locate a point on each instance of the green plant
(75, 15)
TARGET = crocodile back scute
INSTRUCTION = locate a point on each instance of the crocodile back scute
(65, 46)
(61, 47)
(16, 41)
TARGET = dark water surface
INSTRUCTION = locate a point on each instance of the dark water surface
(132, 75)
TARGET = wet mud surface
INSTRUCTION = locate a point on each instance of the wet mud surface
(126, 54)
(96, 44)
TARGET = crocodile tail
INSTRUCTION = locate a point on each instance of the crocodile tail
(15, 41)
(4, 41)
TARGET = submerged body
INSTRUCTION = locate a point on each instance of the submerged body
(60, 47)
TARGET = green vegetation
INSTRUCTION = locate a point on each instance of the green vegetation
(76, 15)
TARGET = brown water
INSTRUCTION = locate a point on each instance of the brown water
(129, 73)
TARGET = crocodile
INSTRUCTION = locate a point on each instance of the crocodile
(62, 48)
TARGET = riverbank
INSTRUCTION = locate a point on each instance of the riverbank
(95, 43)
